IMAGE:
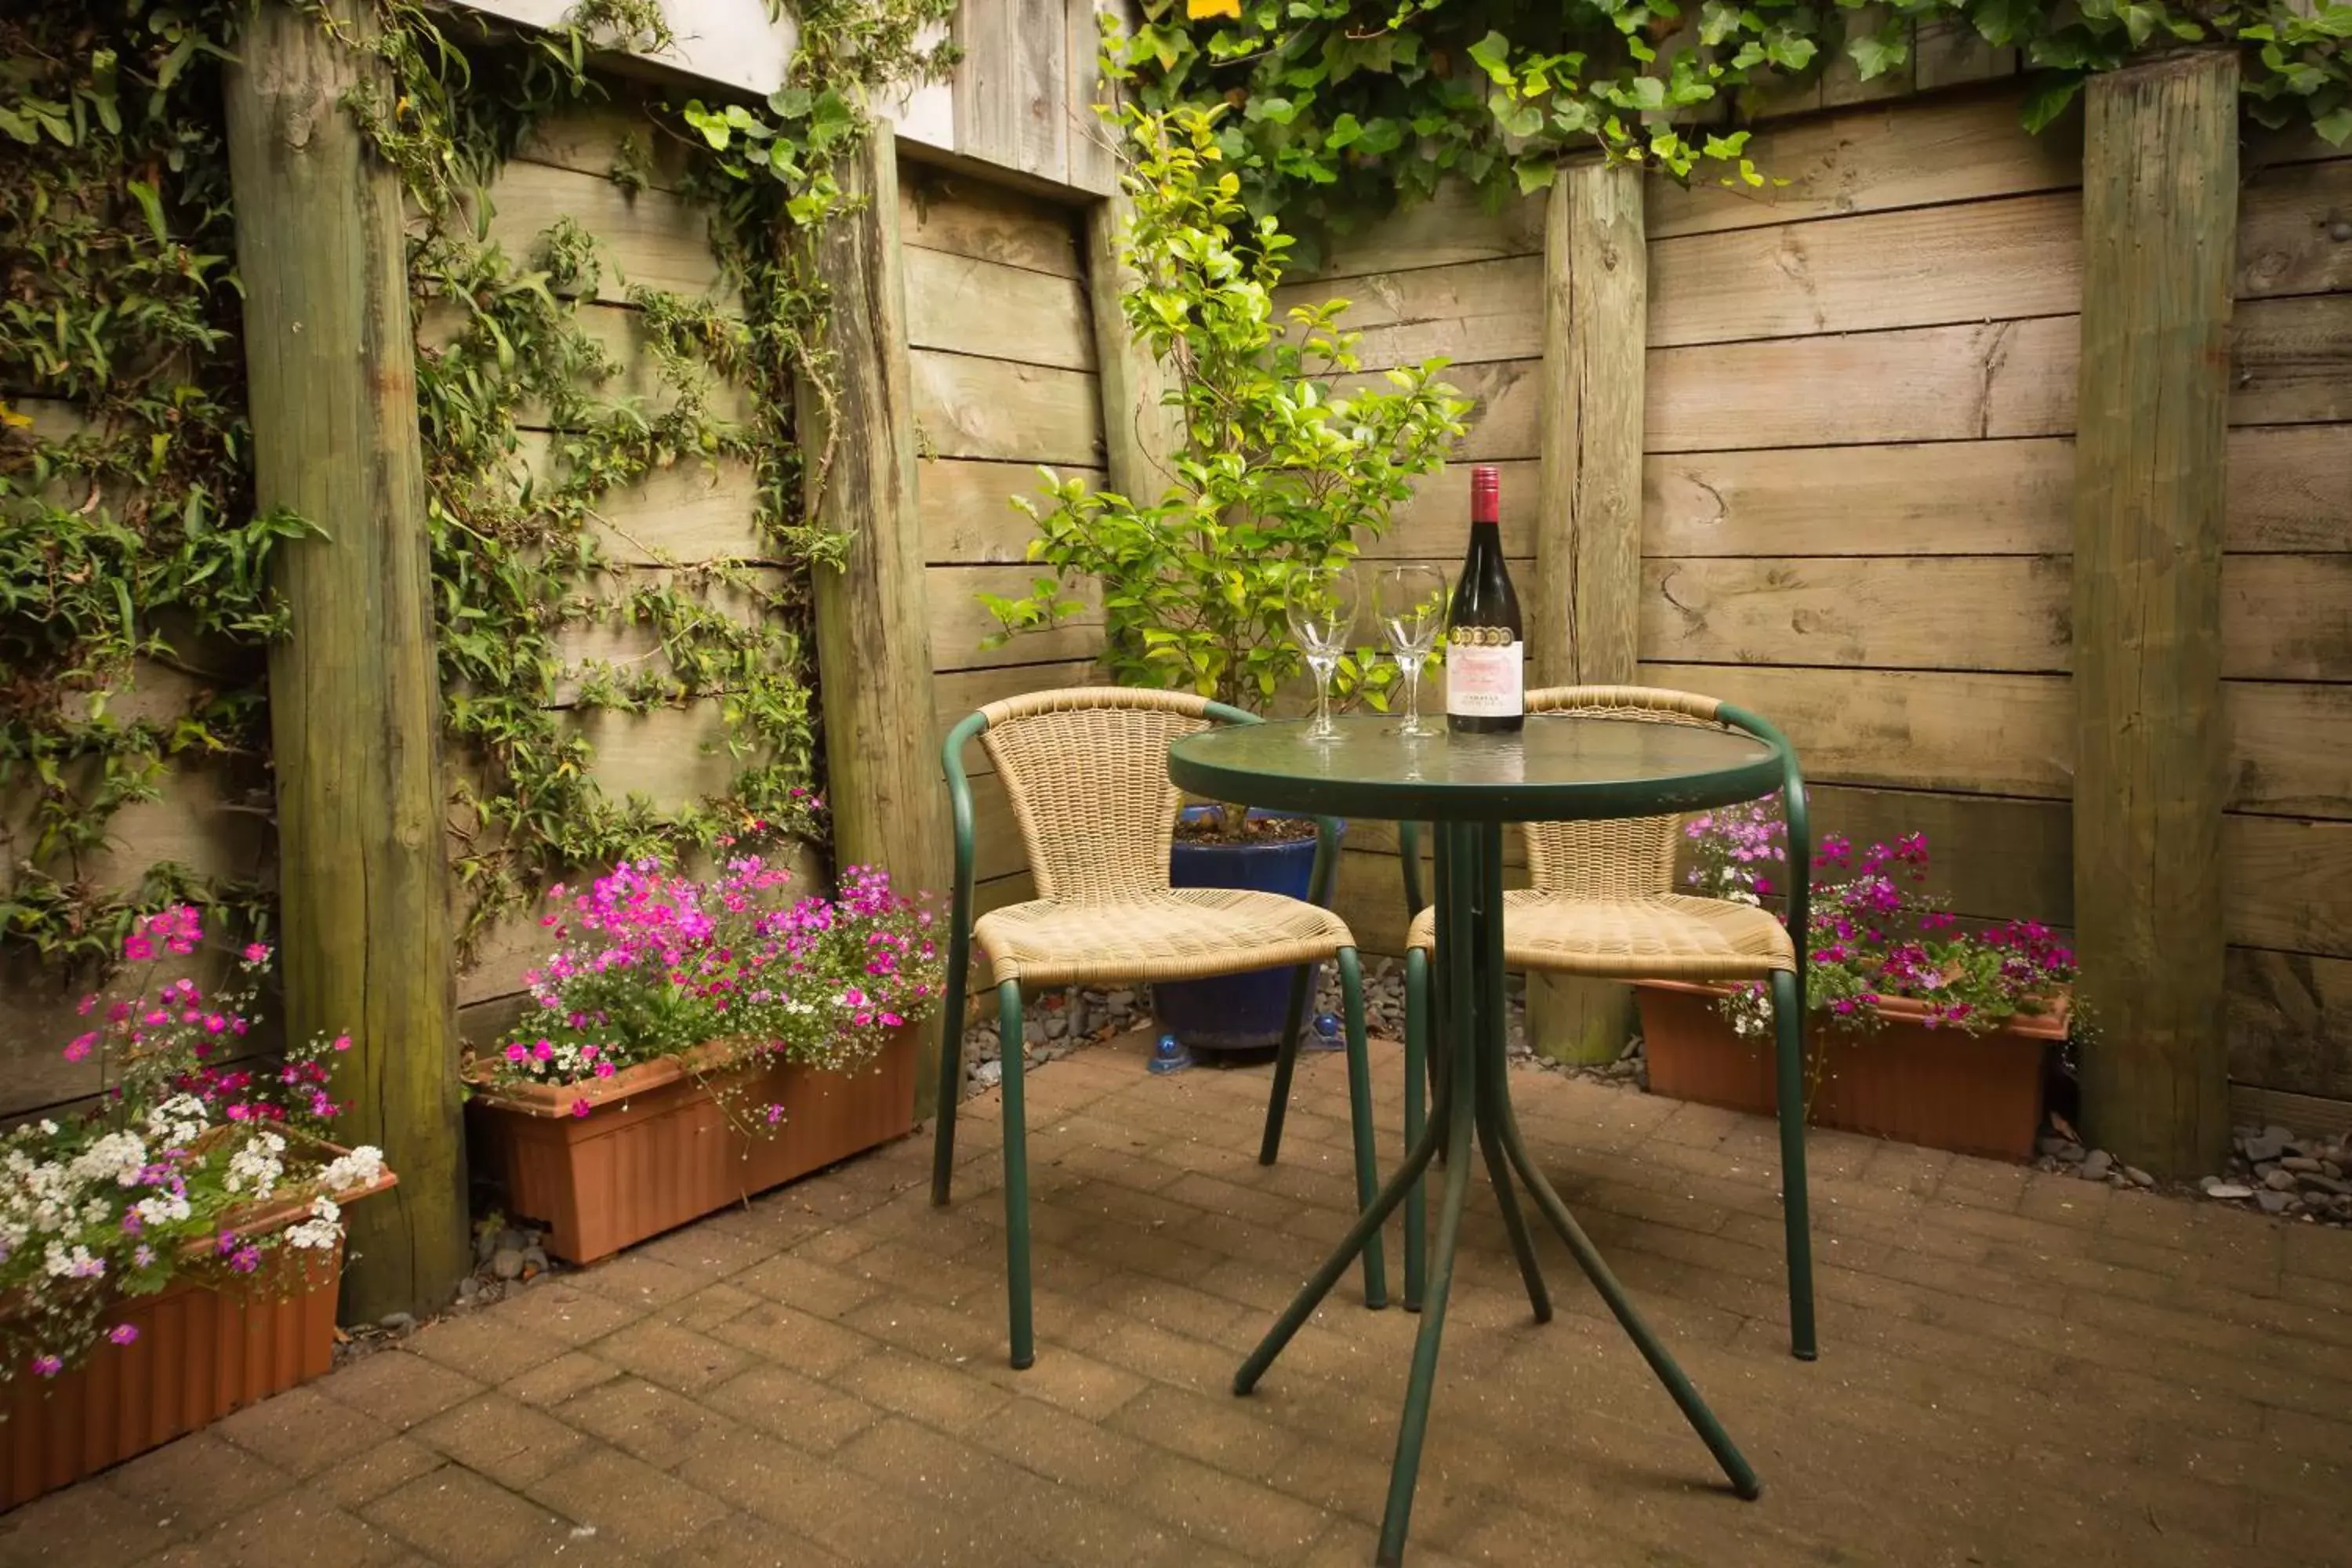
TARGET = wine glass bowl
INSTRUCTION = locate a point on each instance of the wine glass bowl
(1321, 609)
(1412, 604)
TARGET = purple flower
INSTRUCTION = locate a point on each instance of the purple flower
(122, 1334)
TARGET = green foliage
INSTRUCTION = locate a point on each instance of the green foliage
(1282, 469)
(1344, 108)
(133, 571)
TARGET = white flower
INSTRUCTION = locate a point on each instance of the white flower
(322, 1230)
(256, 1165)
(362, 1167)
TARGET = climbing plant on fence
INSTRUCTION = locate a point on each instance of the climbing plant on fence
(1342, 109)
(127, 530)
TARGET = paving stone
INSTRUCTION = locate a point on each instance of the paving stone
(499, 1436)
(399, 1388)
(630, 1504)
(195, 1483)
(462, 1519)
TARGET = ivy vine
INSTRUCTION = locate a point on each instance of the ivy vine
(1341, 108)
(128, 535)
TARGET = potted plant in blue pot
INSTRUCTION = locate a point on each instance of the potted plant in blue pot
(1284, 461)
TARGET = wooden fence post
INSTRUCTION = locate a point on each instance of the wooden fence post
(873, 635)
(1588, 516)
(354, 693)
(2160, 235)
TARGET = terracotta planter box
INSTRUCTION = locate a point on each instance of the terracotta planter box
(654, 1151)
(1946, 1088)
(203, 1351)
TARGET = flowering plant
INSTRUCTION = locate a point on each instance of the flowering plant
(657, 964)
(1874, 933)
(171, 1172)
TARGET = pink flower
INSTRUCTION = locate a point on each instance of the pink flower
(215, 1023)
(342, 1043)
(581, 1107)
(516, 1052)
(80, 1046)
(257, 952)
(123, 1334)
(86, 1004)
(138, 949)
(46, 1366)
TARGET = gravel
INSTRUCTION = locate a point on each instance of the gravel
(2271, 1169)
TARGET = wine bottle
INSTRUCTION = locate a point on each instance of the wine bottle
(1483, 690)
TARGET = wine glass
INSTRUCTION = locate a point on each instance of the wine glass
(1412, 605)
(1321, 609)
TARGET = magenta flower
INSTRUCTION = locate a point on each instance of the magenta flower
(80, 1046)
(122, 1334)
(46, 1366)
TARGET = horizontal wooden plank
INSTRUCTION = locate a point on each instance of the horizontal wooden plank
(969, 519)
(997, 850)
(1434, 523)
(42, 1005)
(619, 331)
(199, 818)
(961, 623)
(655, 237)
(966, 305)
(971, 407)
(1910, 154)
(691, 511)
(2291, 488)
(674, 757)
(1982, 612)
(1994, 858)
(1471, 313)
(1992, 260)
(1924, 384)
(2290, 748)
(1503, 397)
(2250, 1105)
(610, 645)
(2291, 1023)
(1947, 497)
(1990, 734)
(2292, 360)
(2287, 618)
(2282, 884)
(942, 211)
(1456, 225)
(595, 138)
(2295, 230)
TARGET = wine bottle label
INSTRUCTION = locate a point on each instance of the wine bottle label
(1483, 680)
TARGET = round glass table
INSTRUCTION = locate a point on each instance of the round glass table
(1558, 768)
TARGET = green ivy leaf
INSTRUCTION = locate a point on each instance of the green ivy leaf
(2048, 101)
(1492, 54)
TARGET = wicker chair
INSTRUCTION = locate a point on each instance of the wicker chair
(1602, 903)
(1087, 771)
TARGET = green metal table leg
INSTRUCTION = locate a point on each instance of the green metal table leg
(1789, 1022)
(1416, 1050)
(1492, 1049)
(1016, 1176)
(1360, 1111)
(1695, 1410)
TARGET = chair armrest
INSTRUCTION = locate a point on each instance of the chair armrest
(1801, 833)
(960, 813)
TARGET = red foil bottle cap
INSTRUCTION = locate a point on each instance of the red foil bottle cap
(1485, 493)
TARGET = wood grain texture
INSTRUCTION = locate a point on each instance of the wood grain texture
(1503, 398)
(1996, 858)
(994, 408)
(2292, 360)
(1990, 734)
(1889, 612)
(2295, 230)
(2287, 618)
(656, 238)
(967, 306)
(1012, 86)
(2291, 488)
(1962, 148)
(1456, 225)
(965, 217)
(2159, 219)
(1093, 156)
(1434, 523)
(1141, 432)
(2291, 1022)
(1471, 313)
(962, 625)
(2289, 749)
(874, 655)
(2282, 888)
(365, 943)
(969, 519)
(1921, 266)
(1955, 498)
(619, 331)
(591, 138)
(689, 511)
(1927, 383)
(1589, 535)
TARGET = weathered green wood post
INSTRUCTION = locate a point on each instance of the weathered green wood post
(1588, 513)
(2159, 233)
(873, 632)
(354, 693)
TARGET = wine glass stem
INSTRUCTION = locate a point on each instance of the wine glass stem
(1322, 697)
(1412, 697)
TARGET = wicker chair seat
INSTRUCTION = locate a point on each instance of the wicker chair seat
(1667, 936)
(1168, 934)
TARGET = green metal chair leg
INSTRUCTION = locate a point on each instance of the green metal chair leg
(950, 1083)
(1286, 1064)
(1788, 1023)
(1360, 1113)
(1016, 1177)
(1406, 1472)
(1416, 1051)
(1695, 1410)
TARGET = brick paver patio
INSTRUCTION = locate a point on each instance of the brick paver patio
(2016, 1369)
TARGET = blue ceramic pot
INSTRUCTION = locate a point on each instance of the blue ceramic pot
(1234, 1012)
